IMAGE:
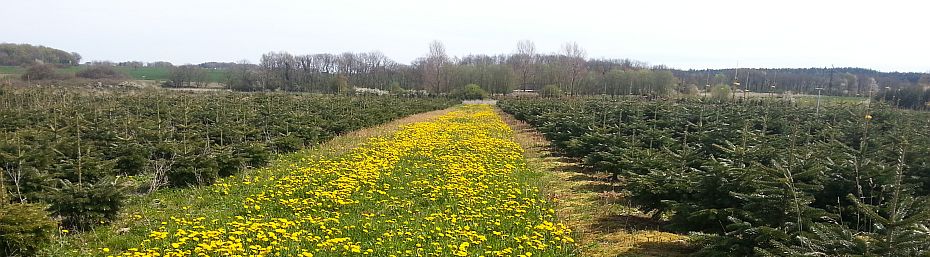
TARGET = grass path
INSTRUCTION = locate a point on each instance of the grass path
(450, 183)
(603, 222)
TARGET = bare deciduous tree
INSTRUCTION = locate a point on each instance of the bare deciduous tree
(573, 61)
(433, 66)
(526, 59)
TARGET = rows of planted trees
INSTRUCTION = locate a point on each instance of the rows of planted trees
(758, 177)
(81, 152)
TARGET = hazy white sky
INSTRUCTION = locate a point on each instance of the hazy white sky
(888, 35)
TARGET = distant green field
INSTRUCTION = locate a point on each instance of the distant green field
(812, 100)
(141, 73)
(11, 70)
(150, 73)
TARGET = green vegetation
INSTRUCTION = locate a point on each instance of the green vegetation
(766, 178)
(82, 152)
(470, 92)
(24, 228)
(101, 72)
(147, 73)
(13, 70)
(439, 74)
(603, 224)
(911, 97)
(404, 192)
(550, 91)
(720, 93)
(164, 73)
(830, 81)
(25, 54)
(811, 100)
(136, 73)
(39, 72)
(341, 85)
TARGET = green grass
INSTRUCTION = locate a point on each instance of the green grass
(160, 73)
(141, 73)
(455, 185)
(16, 70)
(152, 209)
(831, 100)
(147, 73)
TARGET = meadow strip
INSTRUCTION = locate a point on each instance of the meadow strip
(449, 187)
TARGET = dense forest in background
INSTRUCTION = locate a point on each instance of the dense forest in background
(569, 69)
(25, 54)
(832, 81)
(438, 73)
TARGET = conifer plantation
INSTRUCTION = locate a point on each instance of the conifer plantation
(479, 128)
(761, 177)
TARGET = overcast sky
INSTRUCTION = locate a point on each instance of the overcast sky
(887, 35)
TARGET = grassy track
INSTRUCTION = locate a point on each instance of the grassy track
(453, 186)
(604, 224)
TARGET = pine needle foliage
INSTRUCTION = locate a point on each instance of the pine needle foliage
(758, 177)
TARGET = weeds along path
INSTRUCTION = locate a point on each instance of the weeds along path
(456, 185)
(603, 224)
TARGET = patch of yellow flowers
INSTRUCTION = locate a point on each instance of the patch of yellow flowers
(456, 186)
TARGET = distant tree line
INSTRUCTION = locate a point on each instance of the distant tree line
(912, 97)
(829, 81)
(568, 70)
(188, 75)
(25, 54)
(94, 72)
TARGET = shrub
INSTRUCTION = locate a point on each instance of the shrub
(193, 171)
(23, 229)
(257, 154)
(186, 76)
(720, 92)
(131, 159)
(83, 205)
(909, 97)
(101, 72)
(691, 90)
(471, 92)
(228, 162)
(92, 169)
(341, 85)
(395, 88)
(286, 144)
(39, 72)
(550, 91)
(926, 98)
(232, 159)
